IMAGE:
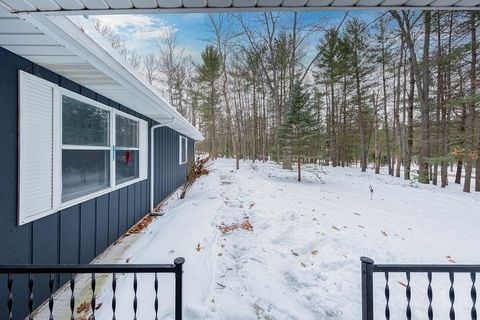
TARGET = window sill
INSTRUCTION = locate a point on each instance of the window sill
(87, 197)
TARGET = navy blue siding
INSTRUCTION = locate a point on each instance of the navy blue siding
(79, 233)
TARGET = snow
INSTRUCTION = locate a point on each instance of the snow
(301, 260)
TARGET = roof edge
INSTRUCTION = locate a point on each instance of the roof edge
(66, 31)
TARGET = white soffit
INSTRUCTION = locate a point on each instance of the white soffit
(69, 7)
(60, 45)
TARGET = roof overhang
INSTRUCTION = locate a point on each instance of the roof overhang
(68, 7)
(72, 48)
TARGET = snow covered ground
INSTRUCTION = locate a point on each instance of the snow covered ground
(301, 259)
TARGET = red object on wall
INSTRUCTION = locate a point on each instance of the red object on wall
(127, 157)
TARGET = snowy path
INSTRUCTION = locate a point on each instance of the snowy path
(301, 260)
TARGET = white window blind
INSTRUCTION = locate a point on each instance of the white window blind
(36, 148)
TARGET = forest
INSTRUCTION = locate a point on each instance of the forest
(396, 92)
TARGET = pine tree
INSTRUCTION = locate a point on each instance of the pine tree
(299, 127)
(208, 73)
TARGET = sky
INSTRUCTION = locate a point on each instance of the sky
(140, 31)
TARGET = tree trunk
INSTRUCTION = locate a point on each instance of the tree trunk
(477, 169)
(385, 113)
(425, 112)
(398, 133)
(375, 136)
(470, 125)
(422, 83)
(299, 169)
(333, 134)
(409, 146)
(463, 121)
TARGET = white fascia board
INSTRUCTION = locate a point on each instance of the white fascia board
(66, 31)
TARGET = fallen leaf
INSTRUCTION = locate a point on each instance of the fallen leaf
(335, 228)
(198, 247)
(450, 259)
(303, 264)
(84, 306)
(314, 252)
(384, 233)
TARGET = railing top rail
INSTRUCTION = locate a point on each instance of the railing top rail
(437, 268)
(92, 268)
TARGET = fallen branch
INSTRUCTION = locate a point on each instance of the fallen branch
(198, 169)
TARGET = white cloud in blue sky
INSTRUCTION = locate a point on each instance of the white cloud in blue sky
(140, 31)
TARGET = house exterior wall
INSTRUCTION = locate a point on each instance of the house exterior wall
(79, 233)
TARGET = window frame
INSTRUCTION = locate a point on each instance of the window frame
(181, 138)
(115, 148)
(112, 147)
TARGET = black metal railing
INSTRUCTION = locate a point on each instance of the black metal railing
(54, 271)
(369, 268)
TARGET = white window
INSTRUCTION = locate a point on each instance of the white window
(85, 148)
(73, 148)
(183, 150)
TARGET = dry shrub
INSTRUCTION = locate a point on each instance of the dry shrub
(199, 168)
(245, 225)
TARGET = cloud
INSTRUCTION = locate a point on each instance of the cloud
(138, 31)
(161, 32)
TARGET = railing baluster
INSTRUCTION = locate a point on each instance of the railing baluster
(408, 293)
(10, 296)
(114, 299)
(156, 296)
(430, 296)
(93, 302)
(51, 282)
(72, 297)
(367, 288)
(30, 296)
(473, 295)
(387, 297)
(178, 288)
(135, 296)
(451, 295)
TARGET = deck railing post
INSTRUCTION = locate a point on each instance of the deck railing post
(178, 287)
(367, 288)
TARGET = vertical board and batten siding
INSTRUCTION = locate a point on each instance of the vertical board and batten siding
(79, 233)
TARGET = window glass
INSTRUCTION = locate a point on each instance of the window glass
(126, 132)
(84, 124)
(84, 172)
(126, 165)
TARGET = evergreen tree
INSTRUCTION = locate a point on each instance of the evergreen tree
(299, 128)
(332, 64)
(208, 73)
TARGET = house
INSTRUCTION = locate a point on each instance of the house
(89, 148)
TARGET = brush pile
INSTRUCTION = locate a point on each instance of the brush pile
(199, 168)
